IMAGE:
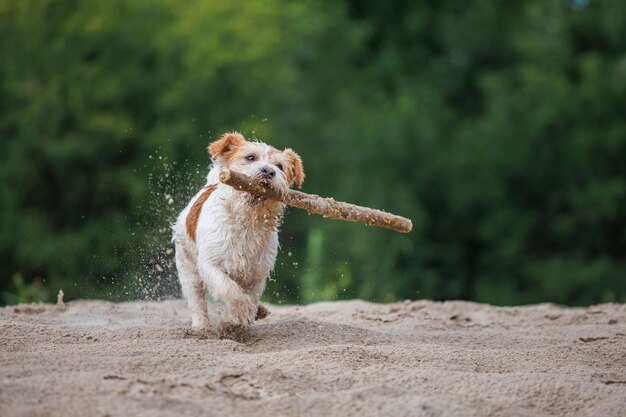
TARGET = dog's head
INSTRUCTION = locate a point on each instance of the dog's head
(278, 169)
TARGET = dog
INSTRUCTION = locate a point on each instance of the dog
(226, 241)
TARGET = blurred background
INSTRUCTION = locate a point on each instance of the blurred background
(498, 127)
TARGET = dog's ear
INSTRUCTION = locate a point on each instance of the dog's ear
(295, 173)
(226, 144)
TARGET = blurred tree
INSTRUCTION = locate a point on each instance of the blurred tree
(77, 96)
(497, 127)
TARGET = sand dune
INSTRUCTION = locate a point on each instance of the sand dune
(329, 359)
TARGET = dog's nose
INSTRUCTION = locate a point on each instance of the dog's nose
(268, 172)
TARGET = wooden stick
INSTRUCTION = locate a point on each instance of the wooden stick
(312, 203)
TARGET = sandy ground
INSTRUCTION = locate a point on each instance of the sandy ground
(330, 359)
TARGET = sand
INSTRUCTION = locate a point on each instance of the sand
(348, 358)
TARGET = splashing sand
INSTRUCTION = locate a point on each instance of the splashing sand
(340, 358)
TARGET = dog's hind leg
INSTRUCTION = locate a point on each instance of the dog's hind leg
(193, 288)
(255, 294)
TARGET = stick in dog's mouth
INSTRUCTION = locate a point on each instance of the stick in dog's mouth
(312, 203)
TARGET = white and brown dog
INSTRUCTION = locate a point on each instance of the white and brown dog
(227, 240)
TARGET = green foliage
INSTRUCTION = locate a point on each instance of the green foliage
(496, 127)
(23, 293)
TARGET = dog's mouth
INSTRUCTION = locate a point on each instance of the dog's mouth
(265, 181)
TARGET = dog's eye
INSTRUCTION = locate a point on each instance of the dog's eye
(279, 166)
(250, 158)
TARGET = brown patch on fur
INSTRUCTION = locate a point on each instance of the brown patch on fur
(226, 145)
(296, 171)
(194, 214)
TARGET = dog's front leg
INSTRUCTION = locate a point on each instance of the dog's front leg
(240, 306)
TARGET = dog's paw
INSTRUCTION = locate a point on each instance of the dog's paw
(243, 311)
(200, 323)
(261, 313)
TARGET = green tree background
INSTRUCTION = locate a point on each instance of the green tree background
(498, 127)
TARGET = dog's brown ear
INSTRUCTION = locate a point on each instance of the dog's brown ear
(226, 144)
(296, 170)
